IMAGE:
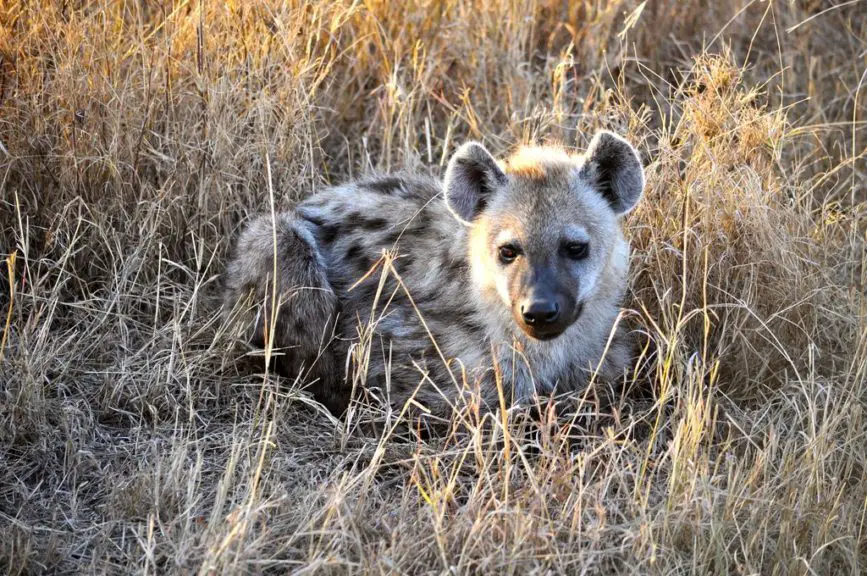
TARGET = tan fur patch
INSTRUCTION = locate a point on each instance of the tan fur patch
(534, 163)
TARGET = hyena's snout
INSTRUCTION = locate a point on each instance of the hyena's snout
(540, 313)
(545, 308)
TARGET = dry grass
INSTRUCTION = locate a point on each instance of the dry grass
(134, 139)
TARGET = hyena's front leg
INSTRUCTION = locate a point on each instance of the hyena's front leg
(301, 329)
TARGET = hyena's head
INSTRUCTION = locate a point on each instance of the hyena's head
(544, 225)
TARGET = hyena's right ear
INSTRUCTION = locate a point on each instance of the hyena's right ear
(471, 178)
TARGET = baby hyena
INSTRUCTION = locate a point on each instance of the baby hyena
(515, 267)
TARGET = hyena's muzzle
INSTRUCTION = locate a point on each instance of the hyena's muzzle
(544, 302)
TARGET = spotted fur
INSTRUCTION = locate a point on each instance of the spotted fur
(439, 334)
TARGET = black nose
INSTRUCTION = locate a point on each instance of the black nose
(540, 312)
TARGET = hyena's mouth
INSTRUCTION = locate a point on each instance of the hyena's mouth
(541, 335)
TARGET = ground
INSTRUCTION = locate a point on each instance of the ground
(137, 434)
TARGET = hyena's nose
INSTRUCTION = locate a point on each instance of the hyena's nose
(540, 312)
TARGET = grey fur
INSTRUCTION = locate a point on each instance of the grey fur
(471, 177)
(306, 304)
(538, 198)
(614, 166)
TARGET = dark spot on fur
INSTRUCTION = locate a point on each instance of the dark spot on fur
(365, 293)
(403, 264)
(328, 233)
(391, 237)
(355, 254)
(372, 223)
(471, 325)
(388, 185)
(312, 219)
(364, 264)
(424, 300)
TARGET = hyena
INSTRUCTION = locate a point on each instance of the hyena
(504, 278)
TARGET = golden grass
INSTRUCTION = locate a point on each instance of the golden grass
(136, 136)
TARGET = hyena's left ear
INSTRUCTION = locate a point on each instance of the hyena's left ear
(471, 178)
(614, 169)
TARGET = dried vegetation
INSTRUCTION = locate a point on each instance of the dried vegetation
(135, 137)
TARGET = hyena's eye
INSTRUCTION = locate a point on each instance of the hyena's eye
(508, 253)
(577, 250)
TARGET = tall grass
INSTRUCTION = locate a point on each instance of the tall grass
(135, 436)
